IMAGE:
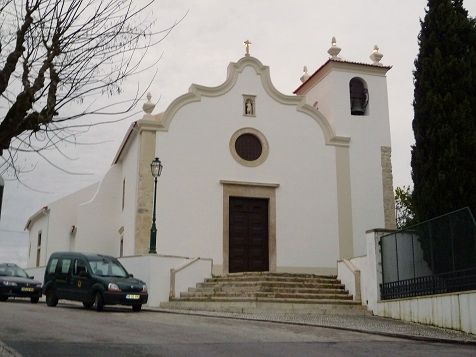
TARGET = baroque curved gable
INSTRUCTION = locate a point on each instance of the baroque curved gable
(234, 69)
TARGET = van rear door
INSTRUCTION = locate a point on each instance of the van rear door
(63, 278)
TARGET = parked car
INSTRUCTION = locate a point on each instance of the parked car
(15, 282)
(94, 279)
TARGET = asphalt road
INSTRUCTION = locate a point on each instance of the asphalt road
(70, 330)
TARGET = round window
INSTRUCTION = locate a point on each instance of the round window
(248, 147)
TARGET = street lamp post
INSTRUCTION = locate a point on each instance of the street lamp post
(156, 169)
(2, 184)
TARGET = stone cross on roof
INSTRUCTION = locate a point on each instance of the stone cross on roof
(247, 45)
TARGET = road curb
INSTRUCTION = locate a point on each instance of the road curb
(336, 327)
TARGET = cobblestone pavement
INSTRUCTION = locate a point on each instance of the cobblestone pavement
(368, 324)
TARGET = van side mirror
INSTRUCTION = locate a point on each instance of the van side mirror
(131, 275)
(31, 277)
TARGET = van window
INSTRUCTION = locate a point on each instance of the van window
(52, 266)
(107, 267)
(78, 267)
(65, 264)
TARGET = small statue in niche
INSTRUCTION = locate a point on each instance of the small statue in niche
(249, 107)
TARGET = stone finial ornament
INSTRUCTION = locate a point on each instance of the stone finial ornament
(334, 50)
(376, 56)
(305, 76)
(148, 106)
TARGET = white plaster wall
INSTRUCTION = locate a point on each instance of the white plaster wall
(191, 275)
(63, 215)
(99, 219)
(37, 273)
(370, 267)
(40, 225)
(324, 93)
(154, 270)
(56, 225)
(361, 264)
(467, 303)
(346, 277)
(455, 311)
(368, 134)
(129, 164)
(196, 156)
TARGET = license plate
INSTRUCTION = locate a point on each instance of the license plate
(27, 289)
(132, 296)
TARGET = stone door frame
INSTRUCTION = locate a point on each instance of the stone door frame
(250, 190)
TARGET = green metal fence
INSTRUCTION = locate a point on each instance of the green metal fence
(433, 257)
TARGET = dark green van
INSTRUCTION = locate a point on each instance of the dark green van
(94, 279)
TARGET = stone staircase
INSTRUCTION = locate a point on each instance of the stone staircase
(264, 291)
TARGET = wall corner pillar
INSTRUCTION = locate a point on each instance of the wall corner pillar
(145, 188)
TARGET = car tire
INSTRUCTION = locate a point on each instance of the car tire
(88, 304)
(35, 299)
(3, 298)
(51, 299)
(136, 308)
(99, 302)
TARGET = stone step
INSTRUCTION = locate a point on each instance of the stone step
(312, 280)
(257, 306)
(292, 275)
(280, 284)
(267, 299)
(255, 294)
(264, 291)
(259, 288)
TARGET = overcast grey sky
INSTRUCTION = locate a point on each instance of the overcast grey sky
(285, 35)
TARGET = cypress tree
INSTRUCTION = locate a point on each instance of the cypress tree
(444, 155)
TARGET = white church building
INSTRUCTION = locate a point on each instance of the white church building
(254, 179)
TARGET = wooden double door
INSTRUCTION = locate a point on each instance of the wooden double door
(248, 234)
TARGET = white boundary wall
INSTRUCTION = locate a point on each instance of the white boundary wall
(154, 270)
(454, 310)
(349, 273)
(37, 273)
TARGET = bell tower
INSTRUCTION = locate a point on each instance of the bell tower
(353, 97)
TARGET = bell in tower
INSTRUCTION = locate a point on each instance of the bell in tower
(359, 97)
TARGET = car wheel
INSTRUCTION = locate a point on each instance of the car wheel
(99, 302)
(51, 299)
(3, 298)
(88, 304)
(136, 308)
(35, 299)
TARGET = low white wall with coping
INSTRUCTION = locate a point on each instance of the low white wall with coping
(349, 275)
(196, 272)
(37, 273)
(453, 310)
(361, 264)
(154, 270)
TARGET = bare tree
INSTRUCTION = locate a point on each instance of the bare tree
(55, 53)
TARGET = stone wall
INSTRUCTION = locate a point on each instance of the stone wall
(387, 184)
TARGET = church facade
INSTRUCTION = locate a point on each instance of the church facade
(254, 179)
